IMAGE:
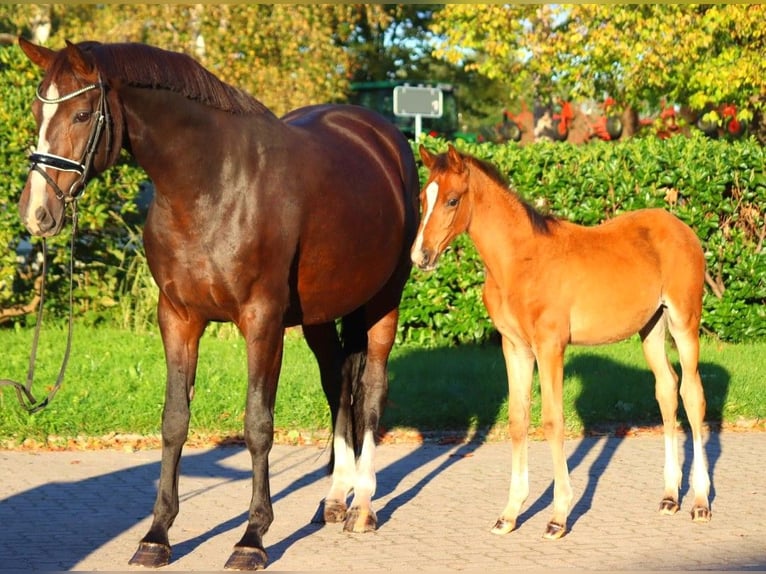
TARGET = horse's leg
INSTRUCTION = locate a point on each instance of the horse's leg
(666, 392)
(520, 364)
(685, 332)
(264, 337)
(369, 402)
(324, 342)
(550, 363)
(180, 336)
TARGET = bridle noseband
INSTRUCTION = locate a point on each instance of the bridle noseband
(84, 166)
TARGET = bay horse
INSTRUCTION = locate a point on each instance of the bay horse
(551, 283)
(262, 221)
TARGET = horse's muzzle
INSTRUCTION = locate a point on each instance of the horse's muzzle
(43, 223)
(424, 259)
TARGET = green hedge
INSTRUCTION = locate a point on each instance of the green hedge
(716, 187)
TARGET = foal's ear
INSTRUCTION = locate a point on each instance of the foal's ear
(427, 157)
(454, 159)
(39, 55)
(82, 64)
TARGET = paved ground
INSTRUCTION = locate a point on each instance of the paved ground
(87, 510)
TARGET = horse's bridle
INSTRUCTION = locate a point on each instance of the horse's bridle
(84, 166)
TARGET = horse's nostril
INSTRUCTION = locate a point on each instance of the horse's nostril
(44, 219)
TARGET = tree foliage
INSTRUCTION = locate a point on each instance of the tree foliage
(691, 55)
(285, 55)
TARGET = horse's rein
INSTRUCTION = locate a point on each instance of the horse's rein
(24, 391)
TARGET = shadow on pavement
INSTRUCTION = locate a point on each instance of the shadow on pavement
(478, 405)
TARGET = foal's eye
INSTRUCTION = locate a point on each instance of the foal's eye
(81, 117)
(452, 202)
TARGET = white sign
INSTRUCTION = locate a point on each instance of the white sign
(411, 101)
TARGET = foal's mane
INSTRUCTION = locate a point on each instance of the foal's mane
(541, 223)
(145, 66)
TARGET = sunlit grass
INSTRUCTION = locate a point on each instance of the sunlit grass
(115, 384)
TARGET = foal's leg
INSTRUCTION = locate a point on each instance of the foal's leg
(520, 364)
(685, 332)
(264, 338)
(370, 394)
(550, 362)
(180, 336)
(324, 342)
(666, 393)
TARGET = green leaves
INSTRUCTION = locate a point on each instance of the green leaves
(638, 54)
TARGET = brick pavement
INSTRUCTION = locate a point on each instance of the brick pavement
(435, 504)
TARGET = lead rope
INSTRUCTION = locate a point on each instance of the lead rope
(24, 392)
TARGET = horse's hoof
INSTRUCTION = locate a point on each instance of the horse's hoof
(151, 555)
(503, 526)
(701, 514)
(554, 531)
(668, 507)
(360, 520)
(334, 511)
(247, 558)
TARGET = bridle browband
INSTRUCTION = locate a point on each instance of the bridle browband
(41, 160)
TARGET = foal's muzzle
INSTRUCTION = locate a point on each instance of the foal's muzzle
(424, 259)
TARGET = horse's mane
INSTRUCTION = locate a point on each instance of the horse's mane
(541, 223)
(149, 67)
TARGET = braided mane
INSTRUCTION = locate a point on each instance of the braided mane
(145, 66)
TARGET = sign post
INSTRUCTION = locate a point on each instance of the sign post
(418, 102)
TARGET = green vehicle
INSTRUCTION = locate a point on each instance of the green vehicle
(379, 96)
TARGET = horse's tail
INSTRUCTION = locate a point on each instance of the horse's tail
(353, 334)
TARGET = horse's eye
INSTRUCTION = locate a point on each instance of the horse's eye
(81, 117)
(452, 202)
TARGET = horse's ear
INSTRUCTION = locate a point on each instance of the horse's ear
(39, 55)
(454, 159)
(427, 157)
(82, 64)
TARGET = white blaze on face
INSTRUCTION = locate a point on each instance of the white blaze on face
(432, 191)
(37, 183)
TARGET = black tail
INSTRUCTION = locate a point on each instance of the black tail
(353, 335)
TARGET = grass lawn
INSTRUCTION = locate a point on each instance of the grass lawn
(115, 384)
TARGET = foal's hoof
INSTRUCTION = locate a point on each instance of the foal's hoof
(701, 514)
(669, 506)
(360, 520)
(503, 526)
(554, 531)
(246, 558)
(151, 555)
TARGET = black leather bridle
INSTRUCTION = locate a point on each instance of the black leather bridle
(41, 160)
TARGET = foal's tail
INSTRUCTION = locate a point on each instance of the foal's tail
(353, 334)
